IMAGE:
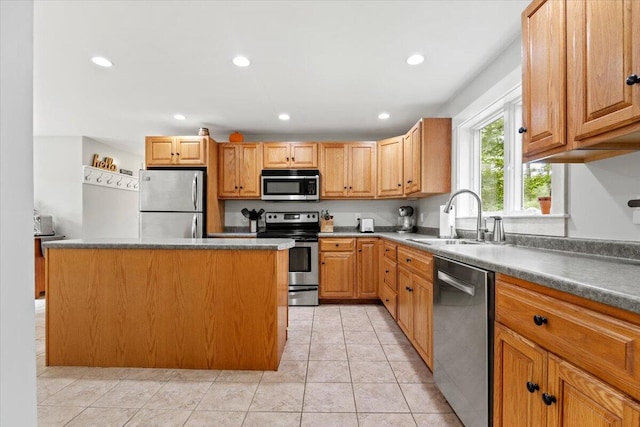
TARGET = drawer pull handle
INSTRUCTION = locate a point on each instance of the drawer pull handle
(633, 79)
(386, 300)
(532, 387)
(386, 271)
(548, 399)
(539, 320)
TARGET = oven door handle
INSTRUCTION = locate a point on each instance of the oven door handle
(458, 284)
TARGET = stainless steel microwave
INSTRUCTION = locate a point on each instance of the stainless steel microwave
(290, 184)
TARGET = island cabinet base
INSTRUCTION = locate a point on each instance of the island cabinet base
(152, 308)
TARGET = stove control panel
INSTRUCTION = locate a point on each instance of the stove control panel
(291, 217)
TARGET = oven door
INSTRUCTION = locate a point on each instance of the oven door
(303, 264)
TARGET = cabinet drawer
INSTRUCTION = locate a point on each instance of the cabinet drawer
(337, 245)
(389, 299)
(389, 274)
(389, 250)
(601, 344)
(420, 263)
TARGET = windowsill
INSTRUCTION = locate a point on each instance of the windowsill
(541, 225)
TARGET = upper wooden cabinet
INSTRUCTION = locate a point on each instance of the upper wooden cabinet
(176, 150)
(239, 167)
(580, 99)
(427, 158)
(283, 155)
(347, 170)
(390, 167)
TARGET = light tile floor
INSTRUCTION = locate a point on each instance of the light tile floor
(343, 365)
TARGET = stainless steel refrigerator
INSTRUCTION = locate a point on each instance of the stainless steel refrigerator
(172, 203)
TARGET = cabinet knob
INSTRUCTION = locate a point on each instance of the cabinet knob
(399, 185)
(410, 289)
(345, 187)
(386, 271)
(177, 154)
(241, 187)
(386, 250)
(406, 288)
(337, 244)
(322, 263)
(386, 300)
(532, 387)
(359, 250)
(350, 187)
(522, 129)
(408, 259)
(409, 181)
(539, 320)
(287, 159)
(548, 399)
(172, 154)
(293, 159)
(633, 79)
(236, 187)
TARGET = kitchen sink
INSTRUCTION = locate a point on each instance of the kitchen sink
(436, 241)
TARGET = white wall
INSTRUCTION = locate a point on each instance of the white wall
(109, 212)
(57, 176)
(598, 195)
(17, 326)
(82, 210)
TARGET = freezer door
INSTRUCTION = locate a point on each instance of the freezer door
(171, 191)
(170, 224)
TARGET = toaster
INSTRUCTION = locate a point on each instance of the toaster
(366, 225)
(42, 225)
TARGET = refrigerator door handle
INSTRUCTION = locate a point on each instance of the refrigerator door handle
(194, 191)
(194, 226)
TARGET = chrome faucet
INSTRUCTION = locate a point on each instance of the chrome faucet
(480, 230)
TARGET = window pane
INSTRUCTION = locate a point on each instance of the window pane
(536, 182)
(492, 165)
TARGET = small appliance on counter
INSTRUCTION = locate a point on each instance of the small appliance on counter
(42, 224)
(366, 225)
(406, 219)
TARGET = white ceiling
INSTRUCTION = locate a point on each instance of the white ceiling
(332, 65)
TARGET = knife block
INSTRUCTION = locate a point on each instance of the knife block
(326, 225)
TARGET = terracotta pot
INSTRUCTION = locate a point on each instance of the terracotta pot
(545, 204)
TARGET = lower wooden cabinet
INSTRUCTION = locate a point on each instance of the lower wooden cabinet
(348, 268)
(415, 312)
(560, 360)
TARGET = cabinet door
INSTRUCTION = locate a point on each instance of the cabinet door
(276, 155)
(337, 274)
(423, 317)
(366, 257)
(412, 158)
(159, 151)
(389, 273)
(390, 167)
(304, 155)
(333, 170)
(228, 170)
(543, 76)
(191, 150)
(605, 51)
(362, 176)
(518, 365)
(249, 171)
(405, 302)
(582, 400)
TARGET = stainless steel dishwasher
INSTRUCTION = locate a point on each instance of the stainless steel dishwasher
(463, 314)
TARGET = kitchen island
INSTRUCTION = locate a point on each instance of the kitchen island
(167, 303)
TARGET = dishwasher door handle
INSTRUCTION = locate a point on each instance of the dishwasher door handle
(458, 284)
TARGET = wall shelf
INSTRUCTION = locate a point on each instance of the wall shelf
(105, 178)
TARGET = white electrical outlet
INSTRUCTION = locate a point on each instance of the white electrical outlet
(357, 217)
(636, 216)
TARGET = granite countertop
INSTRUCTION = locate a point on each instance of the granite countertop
(213, 244)
(611, 281)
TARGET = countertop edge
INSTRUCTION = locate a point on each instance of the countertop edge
(178, 244)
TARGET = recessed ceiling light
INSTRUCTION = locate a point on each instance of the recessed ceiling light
(101, 61)
(284, 116)
(241, 61)
(383, 116)
(415, 59)
(179, 117)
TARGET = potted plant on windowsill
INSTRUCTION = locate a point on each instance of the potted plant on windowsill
(545, 204)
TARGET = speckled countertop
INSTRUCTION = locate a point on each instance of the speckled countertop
(611, 281)
(211, 244)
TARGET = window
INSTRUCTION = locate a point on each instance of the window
(489, 162)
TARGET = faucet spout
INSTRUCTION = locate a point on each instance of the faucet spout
(479, 229)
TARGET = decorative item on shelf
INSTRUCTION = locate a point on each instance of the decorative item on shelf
(107, 163)
(545, 204)
(105, 178)
(236, 137)
(326, 222)
(203, 132)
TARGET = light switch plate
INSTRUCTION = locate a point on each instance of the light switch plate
(636, 216)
